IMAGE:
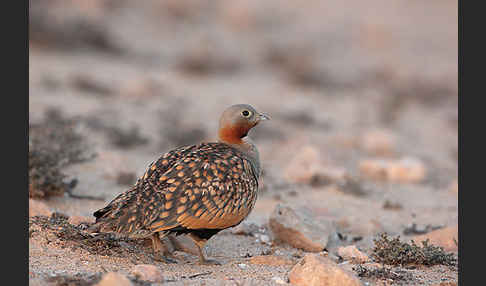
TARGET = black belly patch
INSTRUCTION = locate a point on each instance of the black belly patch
(203, 233)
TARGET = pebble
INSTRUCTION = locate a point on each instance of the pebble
(273, 260)
(38, 208)
(315, 269)
(360, 225)
(352, 254)
(405, 170)
(142, 88)
(443, 237)
(264, 238)
(242, 266)
(454, 187)
(303, 166)
(300, 229)
(76, 220)
(114, 279)
(147, 272)
(246, 228)
(278, 280)
(448, 283)
(378, 142)
(306, 167)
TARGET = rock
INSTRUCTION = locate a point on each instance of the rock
(378, 142)
(142, 88)
(263, 238)
(454, 187)
(76, 220)
(242, 266)
(375, 169)
(414, 228)
(299, 229)
(38, 208)
(273, 260)
(325, 175)
(246, 228)
(239, 14)
(38, 282)
(360, 226)
(278, 280)
(307, 167)
(405, 170)
(352, 254)
(183, 9)
(147, 272)
(315, 269)
(447, 283)
(443, 237)
(303, 165)
(114, 279)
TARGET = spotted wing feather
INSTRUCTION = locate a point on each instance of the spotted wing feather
(206, 186)
(130, 211)
(213, 188)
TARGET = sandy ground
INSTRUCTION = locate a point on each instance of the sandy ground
(327, 73)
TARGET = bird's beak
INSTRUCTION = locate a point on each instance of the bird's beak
(263, 116)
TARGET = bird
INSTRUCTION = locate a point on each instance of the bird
(195, 190)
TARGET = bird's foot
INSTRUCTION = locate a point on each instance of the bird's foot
(167, 258)
(209, 262)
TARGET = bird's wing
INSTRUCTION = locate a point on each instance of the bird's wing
(212, 187)
(134, 209)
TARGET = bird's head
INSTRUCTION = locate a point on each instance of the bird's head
(237, 120)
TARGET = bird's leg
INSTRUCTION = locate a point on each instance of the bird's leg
(161, 253)
(180, 246)
(200, 242)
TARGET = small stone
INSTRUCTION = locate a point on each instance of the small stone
(448, 283)
(147, 272)
(375, 169)
(114, 279)
(378, 142)
(245, 228)
(142, 88)
(315, 269)
(307, 167)
(242, 266)
(278, 280)
(454, 187)
(325, 175)
(405, 170)
(273, 260)
(303, 165)
(360, 225)
(38, 208)
(299, 229)
(264, 238)
(76, 220)
(351, 253)
(443, 237)
(38, 282)
(240, 14)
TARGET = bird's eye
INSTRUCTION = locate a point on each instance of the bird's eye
(246, 113)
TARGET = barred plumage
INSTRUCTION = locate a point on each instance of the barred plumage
(197, 190)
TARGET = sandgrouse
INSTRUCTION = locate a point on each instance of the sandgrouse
(197, 190)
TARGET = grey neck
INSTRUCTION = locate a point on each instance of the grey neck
(251, 151)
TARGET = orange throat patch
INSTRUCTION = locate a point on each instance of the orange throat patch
(232, 134)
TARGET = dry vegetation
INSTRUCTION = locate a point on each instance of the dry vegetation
(363, 137)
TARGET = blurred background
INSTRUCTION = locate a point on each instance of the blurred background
(363, 97)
